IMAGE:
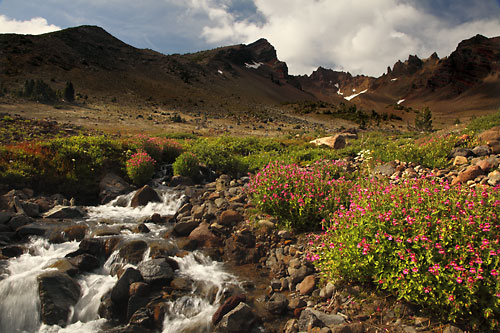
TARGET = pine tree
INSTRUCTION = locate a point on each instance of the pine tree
(423, 120)
(69, 92)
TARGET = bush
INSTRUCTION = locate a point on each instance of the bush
(300, 197)
(429, 243)
(162, 150)
(140, 168)
(188, 165)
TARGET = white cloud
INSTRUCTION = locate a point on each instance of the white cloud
(357, 36)
(35, 26)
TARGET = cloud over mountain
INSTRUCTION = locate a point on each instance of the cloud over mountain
(34, 26)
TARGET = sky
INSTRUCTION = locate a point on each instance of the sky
(358, 36)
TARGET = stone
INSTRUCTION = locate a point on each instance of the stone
(139, 289)
(156, 271)
(495, 147)
(5, 217)
(328, 290)
(121, 289)
(277, 304)
(197, 212)
(241, 317)
(337, 141)
(452, 329)
(93, 246)
(460, 160)
(229, 217)
(227, 306)
(184, 209)
(31, 229)
(58, 294)
(314, 318)
(18, 221)
(297, 275)
(12, 251)
(133, 251)
(291, 326)
(181, 283)
(460, 151)
(493, 134)
(85, 262)
(181, 180)
(222, 183)
(111, 186)
(142, 228)
(296, 303)
(468, 174)
(27, 208)
(136, 302)
(143, 196)
(64, 212)
(307, 285)
(494, 178)
(387, 169)
(64, 266)
(481, 150)
(487, 164)
(204, 237)
(184, 228)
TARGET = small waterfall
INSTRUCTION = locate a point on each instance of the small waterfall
(19, 299)
(194, 313)
(20, 304)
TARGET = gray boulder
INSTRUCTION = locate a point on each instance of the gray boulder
(58, 293)
(156, 271)
(143, 196)
(111, 186)
(240, 319)
(64, 212)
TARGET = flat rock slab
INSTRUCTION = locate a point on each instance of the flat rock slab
(64, 212)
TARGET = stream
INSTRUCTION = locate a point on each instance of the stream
(20, 305)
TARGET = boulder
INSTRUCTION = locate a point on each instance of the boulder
(143, 196)
(5, 217)
(58, 294)
(229, 217)
(184, 228)
(64, 266)
(494, 178)
(493, 134)
(156, 271)
(387, 169)
(64, 212)
(277, 304)
(241, 318)
(181, 283)
(204, 237)
(25, 207)
(314, 318)
(120, 291)
(181, 180)
(222, 183)
(85, 262)
(291, 326)
(12, 251)
(18, 221)
(460, 160)
(468, 174)
(227, 306)
(307, 285)
(337, 141)
(136, 302)
(460, 151)
(111, 186)
(481, 150)
(93, 246)
(31, 229)
(133, 251)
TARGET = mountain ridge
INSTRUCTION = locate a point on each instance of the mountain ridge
(243, 77)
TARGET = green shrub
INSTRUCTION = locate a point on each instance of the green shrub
(428, 243)
(188, 165)
(140, 168)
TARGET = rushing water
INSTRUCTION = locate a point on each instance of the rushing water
(19, 300)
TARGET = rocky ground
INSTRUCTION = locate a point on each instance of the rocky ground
(282, 293)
